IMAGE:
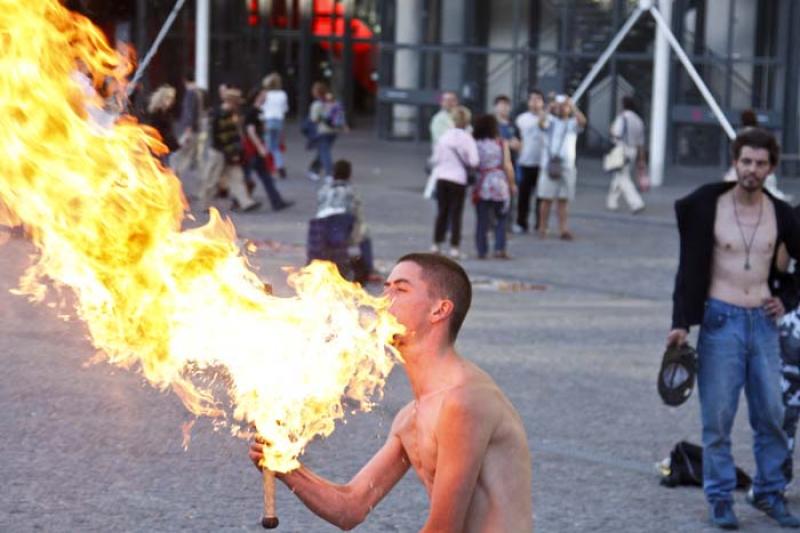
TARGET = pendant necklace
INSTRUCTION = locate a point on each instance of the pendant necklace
(747, 244)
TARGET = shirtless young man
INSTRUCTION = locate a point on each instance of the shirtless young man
(729, 234)
(461, 435)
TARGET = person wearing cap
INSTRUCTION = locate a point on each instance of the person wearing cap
(729, 237)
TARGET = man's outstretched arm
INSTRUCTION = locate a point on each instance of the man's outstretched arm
(346, 506)
(463, 431)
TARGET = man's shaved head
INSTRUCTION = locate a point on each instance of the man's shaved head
(447, 280)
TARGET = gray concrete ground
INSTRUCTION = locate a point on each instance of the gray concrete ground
(94, 448)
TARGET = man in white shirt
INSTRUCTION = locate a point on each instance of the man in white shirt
(627, 129)
(533, 140)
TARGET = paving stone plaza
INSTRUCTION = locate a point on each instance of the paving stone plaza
(573, 332)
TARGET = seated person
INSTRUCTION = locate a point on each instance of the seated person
(338, 196)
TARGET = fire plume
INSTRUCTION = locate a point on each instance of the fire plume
(180, 306)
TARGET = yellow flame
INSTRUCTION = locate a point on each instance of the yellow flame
(183, 306)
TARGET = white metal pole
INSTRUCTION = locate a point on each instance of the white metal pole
(660, 99)
(154, 47)
(709, 98)
(603, 59)
(202, 38)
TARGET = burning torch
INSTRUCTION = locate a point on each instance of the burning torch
(270, 518)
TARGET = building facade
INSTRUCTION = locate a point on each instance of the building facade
(390, 59)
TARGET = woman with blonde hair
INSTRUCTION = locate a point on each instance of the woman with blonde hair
(455, 154)
(273, 112)
(159, 115)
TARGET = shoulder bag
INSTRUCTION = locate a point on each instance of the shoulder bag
(555, 167)
(472, 172)
(615, 159)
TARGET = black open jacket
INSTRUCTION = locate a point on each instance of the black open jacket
(696, 214)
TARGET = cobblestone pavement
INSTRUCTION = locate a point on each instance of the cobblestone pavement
(93, 448)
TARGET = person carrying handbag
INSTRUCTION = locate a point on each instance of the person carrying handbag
(558, 174)
(628, 132)
(454, 154)
(494, 188)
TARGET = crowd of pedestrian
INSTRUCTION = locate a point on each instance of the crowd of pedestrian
(496, 156)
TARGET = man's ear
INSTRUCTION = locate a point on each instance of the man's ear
(441, 311)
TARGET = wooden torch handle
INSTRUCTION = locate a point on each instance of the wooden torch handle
(270, 518)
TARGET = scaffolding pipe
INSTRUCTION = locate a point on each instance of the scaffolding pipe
(701, 86)
(659, 109)
(154, 47)
(603, 59)
(201, 45)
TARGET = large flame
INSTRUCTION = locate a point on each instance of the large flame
(183, 306)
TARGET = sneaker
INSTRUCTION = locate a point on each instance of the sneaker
(722, 515)
(774, 506)
(436, 249)
(252, 207)
(566, 236)
(501, 254)
(516, 229)
(313, 176)
(455, 253)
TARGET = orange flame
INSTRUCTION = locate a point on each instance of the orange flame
(182, 306)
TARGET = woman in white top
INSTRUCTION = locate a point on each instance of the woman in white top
(455, 152)
(561, 129)
(273, 111)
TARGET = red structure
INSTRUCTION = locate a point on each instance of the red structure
(328, 20)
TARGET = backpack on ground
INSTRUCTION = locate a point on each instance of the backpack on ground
(684, 467)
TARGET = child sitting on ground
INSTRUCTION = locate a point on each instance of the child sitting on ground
(338, 196)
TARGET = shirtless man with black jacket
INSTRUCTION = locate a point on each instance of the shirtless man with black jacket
(730, 234)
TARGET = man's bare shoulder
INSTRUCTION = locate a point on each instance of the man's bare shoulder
(477, 395)
(403, 418)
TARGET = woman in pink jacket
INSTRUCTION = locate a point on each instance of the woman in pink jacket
(454, 154)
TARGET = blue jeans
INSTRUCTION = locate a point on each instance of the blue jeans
(258, 165)
(324, 159)
(273, 140)
(738, 347)
(485, 209)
